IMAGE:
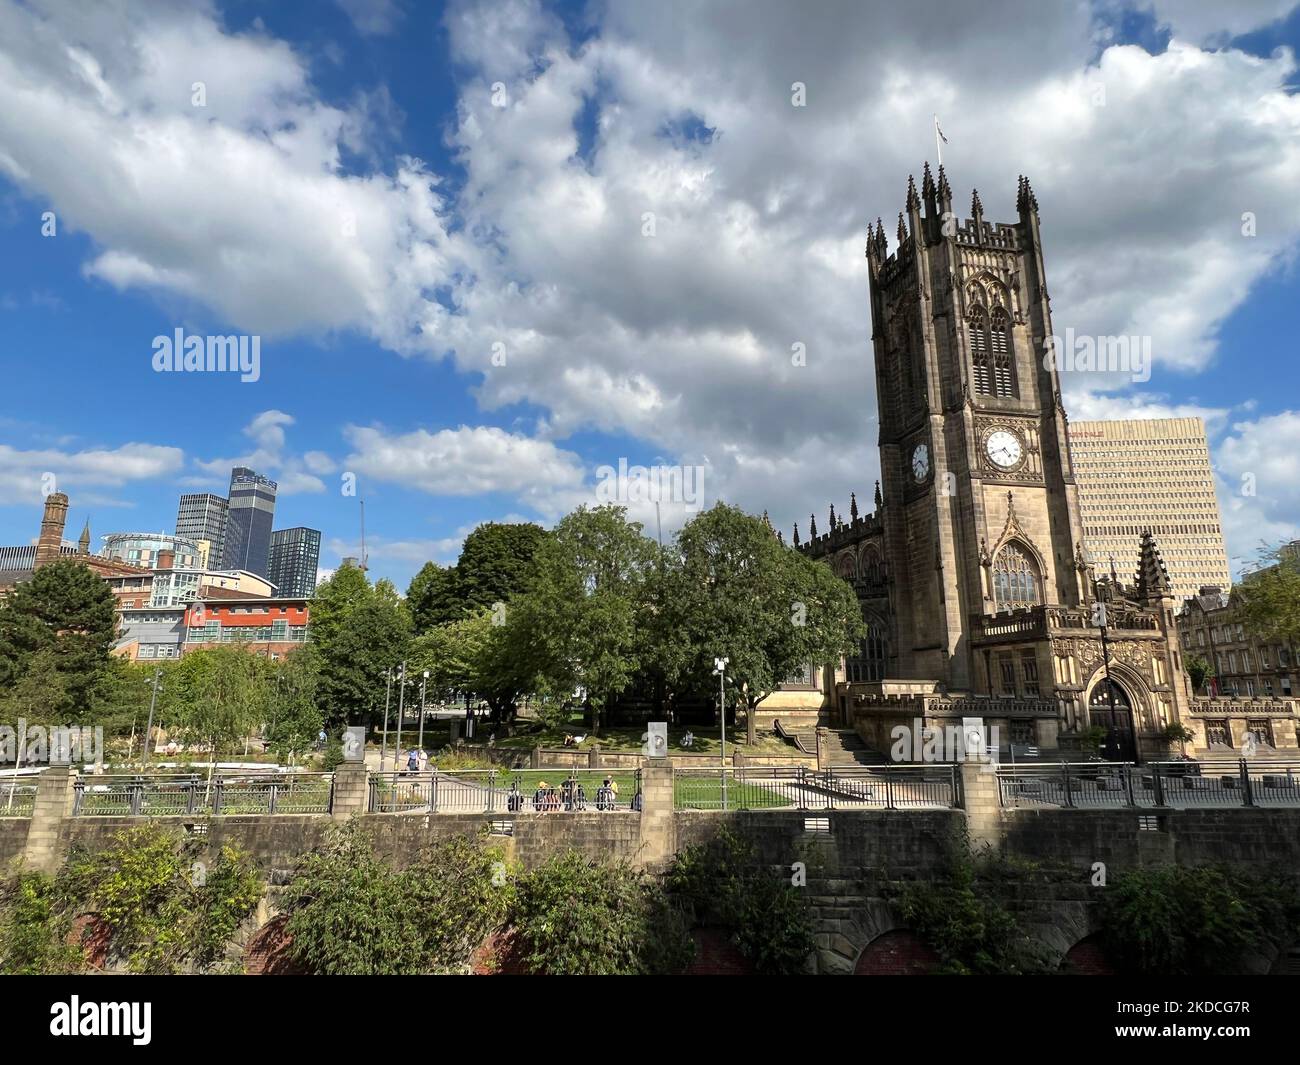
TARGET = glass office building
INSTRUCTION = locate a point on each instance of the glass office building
(295, 555)
(248, 522)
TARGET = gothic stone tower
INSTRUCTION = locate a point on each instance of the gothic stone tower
(981, 512)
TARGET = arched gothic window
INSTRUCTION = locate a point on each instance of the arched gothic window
(979, 351)
(873, 652)
(1003, 375)
(872, 570)
(1016, 581)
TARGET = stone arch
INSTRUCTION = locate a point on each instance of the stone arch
(1134, 686)
(847, 566)
(898, 952)
(1087, 957)
(871, 564)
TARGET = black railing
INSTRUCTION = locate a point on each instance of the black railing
(1179, 784)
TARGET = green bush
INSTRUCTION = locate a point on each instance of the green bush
(34, 933)
(577, 917)
(353, 914)
(1175, 921)
(723, 884)
(165, 913)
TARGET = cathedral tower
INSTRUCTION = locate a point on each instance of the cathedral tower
(981, 512)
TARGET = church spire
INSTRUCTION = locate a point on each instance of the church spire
(83, 545)
(913, 201)
(853, 506)
(945, 191)
(879, 501)
(812, 526)
(834, 523)
(902, 229)
(976, 208)
(796, 534)
(1152, 577)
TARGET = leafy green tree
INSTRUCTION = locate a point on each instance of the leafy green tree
(578, 623)
(431, 597)
(69, 611)
(295, 715)
(496, 564)
(1267, 601)
(578, 917)
(473, 654)
(218, 695)
(336, 597)
(1199, 671)
(355, 657)
(739, 593)
(40, 693)
(34, 932)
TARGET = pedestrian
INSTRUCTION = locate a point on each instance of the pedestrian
(413, 761)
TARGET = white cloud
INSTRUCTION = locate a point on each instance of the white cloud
(26, 475)
(1259, 482)
(469, 461)
(293, 474)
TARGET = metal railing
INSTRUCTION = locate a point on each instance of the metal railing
(506, 791)
(925, 787)
(152, 796)
(17, 797)
(1180, 784)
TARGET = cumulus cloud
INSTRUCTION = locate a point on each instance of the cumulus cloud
(1259, 482)
(294, 474)
(647, 227)
(26, 476)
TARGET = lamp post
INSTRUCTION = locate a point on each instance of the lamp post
(388, 694)
(720, 668)
(423, 681)
(401, 711)
(153, 699)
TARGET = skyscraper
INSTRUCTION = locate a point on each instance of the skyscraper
(248, 521)
(295, 554)
(202, 517)
(1150, 474)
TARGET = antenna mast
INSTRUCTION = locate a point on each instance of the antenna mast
(364, 558)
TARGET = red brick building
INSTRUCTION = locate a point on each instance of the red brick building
(270, 627)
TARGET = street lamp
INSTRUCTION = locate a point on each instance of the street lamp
(388, 694)
(401, 711)
(423, 681)
(144, 751)
(720, 668)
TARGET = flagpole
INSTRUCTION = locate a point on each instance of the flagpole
(938, 151)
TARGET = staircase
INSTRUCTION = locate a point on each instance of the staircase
(845, 747)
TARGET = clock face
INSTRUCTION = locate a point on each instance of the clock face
(1004, 449)
(921, 462)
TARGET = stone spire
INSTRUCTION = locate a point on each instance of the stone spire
(812, 526)
(944, 190)
(83, 545)
(853, 506)
(913, 201)
(976, 209)
(1152, 577)
(796, 534)
(834, 523)
(879, 500)
(927, 182)
(902, 229)
(1026, 201)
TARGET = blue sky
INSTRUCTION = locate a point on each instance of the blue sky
(389, 193)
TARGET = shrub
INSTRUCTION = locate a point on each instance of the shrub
(577, 917)
(723, 884)
(1177, 921)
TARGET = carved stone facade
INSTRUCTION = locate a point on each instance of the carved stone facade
(972, 572)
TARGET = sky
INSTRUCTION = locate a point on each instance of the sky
(490, 250)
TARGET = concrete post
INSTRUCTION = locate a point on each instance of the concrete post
(593, 757)
(823, 755)
(979, 795)
(55, 792)
(658, 818)
(351, 791)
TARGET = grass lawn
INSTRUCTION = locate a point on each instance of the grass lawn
(530, 733)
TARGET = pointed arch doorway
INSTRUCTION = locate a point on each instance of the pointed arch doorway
(1119, 744)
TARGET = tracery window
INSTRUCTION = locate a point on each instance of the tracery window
(1016, 581)
(979, 352)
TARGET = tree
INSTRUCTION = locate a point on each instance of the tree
(578, 623)
(475, 654)
(219, 695)
(345, 589)
(68, 610)
(1267, 601)
(430, 597)
(371, 638)
(1199, 671)
(295, 715)
(741, 594)
(40, 694)
(496, 564)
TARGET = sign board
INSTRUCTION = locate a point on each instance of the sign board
(354, 744)
(656, 740)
